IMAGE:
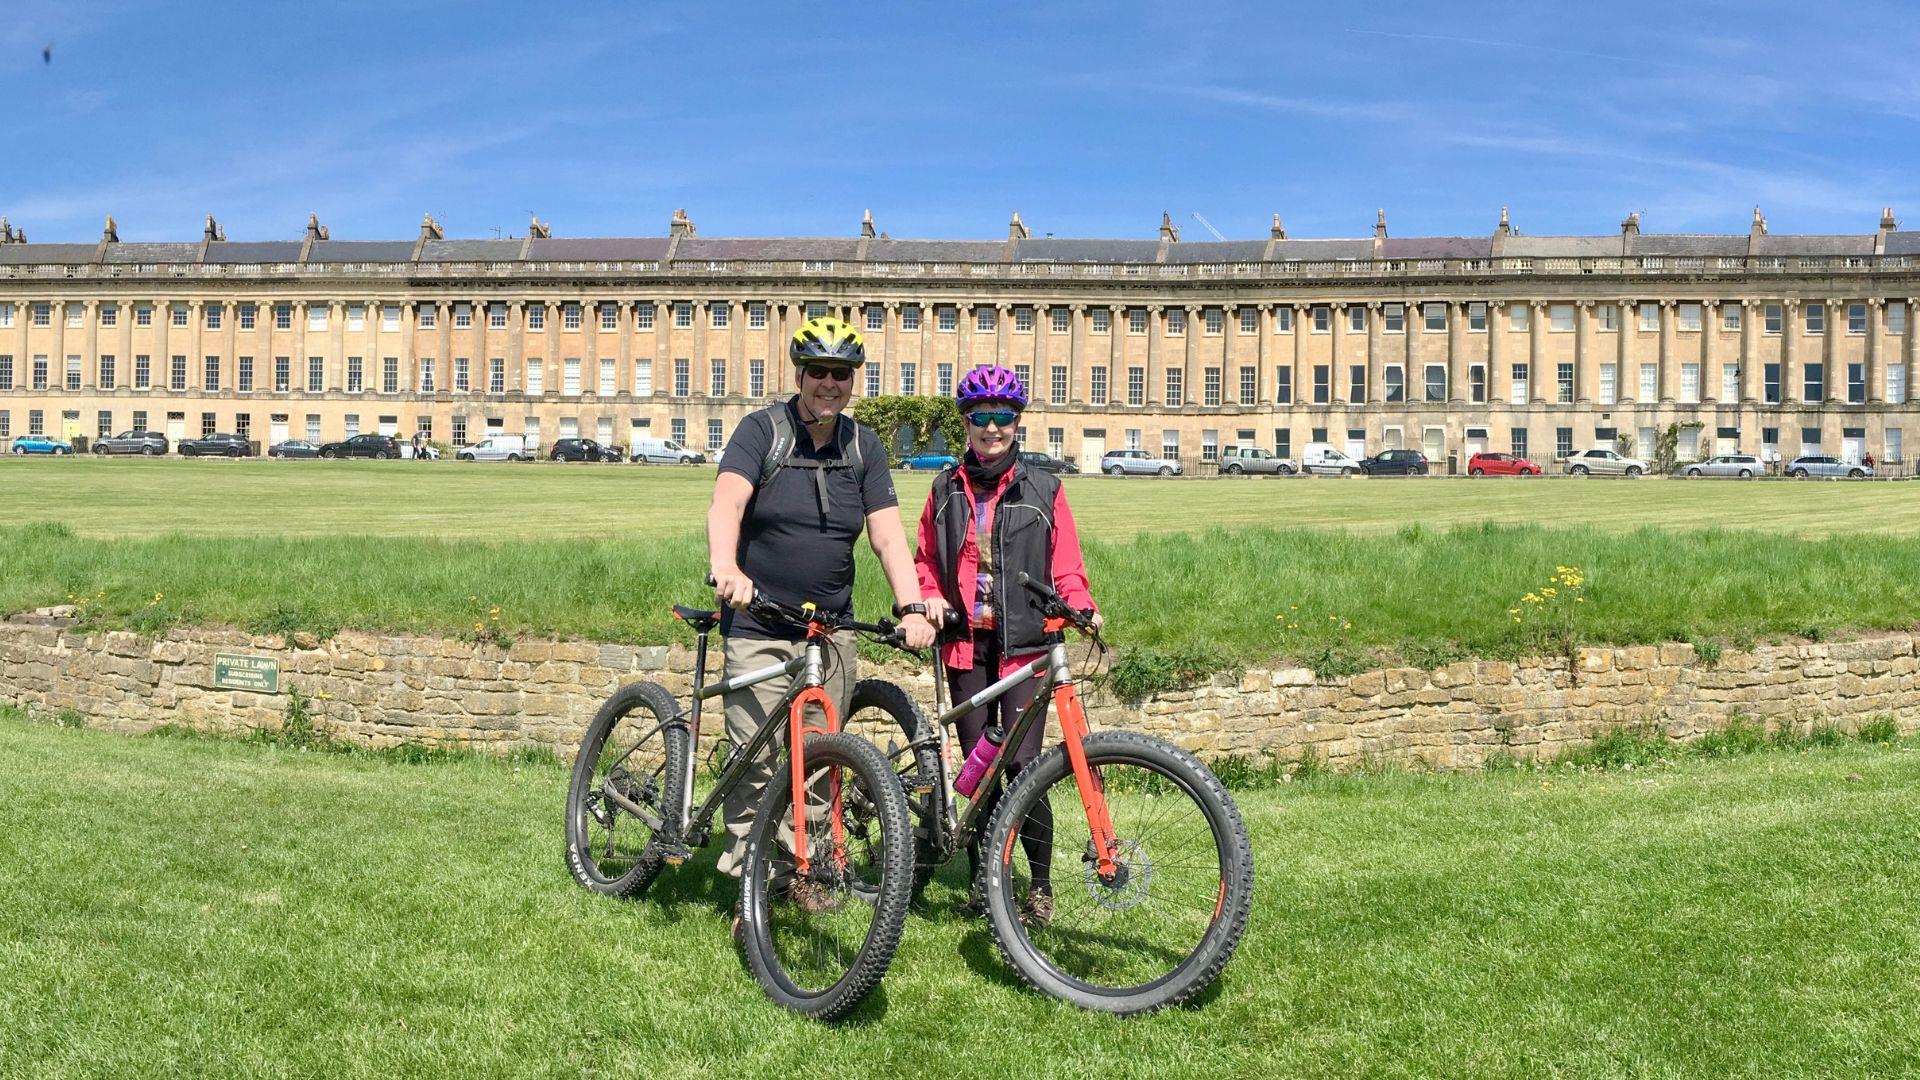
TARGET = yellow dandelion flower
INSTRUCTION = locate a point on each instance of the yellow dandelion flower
(1547, 591)
(479, 627)
(1516, 620)
(1346, 626)
(1579, 599)
(1513, 611)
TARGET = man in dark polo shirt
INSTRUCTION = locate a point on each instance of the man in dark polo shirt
(790, 534)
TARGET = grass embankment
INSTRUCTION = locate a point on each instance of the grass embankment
(122, 497)
(1200, 602)
(224, 905)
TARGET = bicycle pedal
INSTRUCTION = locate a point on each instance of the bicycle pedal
(674, 854)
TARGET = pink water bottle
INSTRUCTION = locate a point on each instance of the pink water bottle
(983, 754)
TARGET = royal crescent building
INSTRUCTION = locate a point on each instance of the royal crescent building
(1535, 345)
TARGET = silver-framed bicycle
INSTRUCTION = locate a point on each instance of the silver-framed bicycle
(828, 875)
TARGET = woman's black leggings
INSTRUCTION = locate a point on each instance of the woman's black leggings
(1036, 833)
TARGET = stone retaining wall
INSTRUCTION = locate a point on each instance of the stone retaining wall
(381, 691)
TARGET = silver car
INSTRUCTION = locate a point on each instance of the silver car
(1603, 463)
(1235, 460)
(1818, 465)
(1139, 463)
(1743, 466)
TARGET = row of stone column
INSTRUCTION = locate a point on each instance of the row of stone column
(1081, 353)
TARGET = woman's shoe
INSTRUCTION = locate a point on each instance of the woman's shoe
(1037, 910)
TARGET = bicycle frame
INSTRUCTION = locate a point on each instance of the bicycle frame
(808, 689)
(1061, 691)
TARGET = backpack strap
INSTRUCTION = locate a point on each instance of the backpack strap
(780, 447)
(780, 452)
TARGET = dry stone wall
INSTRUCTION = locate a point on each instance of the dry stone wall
(384, 690)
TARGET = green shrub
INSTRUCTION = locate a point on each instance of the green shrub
(1139, 672)
(1880, 729)
(1708, 651)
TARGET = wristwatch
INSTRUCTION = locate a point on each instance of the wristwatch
(903, 610)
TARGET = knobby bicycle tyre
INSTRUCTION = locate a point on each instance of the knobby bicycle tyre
(1092, 952)
(878, 710)
(877, 891)
(610, 850)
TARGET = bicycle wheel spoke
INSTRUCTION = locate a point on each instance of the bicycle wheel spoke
(818, 923)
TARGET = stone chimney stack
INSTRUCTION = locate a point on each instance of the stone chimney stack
(6, 231)
(681, 225)
(108, 235)
(1279, 231)
(866, 225)
(1631, 226)
(1380, 224)
(212, 232)
(315, 230)
(1887, 222)
(1759, 226)
(1017, 229)
(539, 230)
(1505, 228)
(1169, 232)
(429, 229)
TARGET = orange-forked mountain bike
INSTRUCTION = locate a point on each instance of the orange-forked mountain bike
(828, 874)
(1147, 861)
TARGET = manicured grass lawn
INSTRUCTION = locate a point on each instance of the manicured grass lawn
(122, 497)
(1420, 594)
(204, 906)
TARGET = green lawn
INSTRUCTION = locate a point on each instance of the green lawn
(121, 497)
(192, 906)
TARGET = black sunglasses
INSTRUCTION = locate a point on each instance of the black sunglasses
(837, 374)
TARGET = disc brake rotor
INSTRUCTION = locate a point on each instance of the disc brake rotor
(1132, 877)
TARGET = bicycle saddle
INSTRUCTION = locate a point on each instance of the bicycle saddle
(694, 617)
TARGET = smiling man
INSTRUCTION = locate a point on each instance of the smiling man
(798, 484)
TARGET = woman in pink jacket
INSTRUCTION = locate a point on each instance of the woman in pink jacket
(988, 520)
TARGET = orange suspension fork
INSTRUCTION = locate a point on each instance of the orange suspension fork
(797, 731)
(1093, 797)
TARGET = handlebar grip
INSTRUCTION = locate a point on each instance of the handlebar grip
(712, 582)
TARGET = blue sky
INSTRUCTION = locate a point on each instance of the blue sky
(1090, 119)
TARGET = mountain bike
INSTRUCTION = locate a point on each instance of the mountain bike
(1152, 869)
(827, 880)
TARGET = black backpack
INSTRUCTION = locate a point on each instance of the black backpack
(780, 452)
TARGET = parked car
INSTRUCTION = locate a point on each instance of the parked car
(1603, 463)
(928, 461)
(665, 452)
(1235, 460)
(495, 448)
(368, 446)
(41, 444)
(427, 453)
(220, 443)
(150, 443)
(1325, 459)
(1816, 465)
(1744, 466)
(1034, 459)
(1500, 465)
(1395, 463)
(1138, 463)
(584, 450)
(293, 448)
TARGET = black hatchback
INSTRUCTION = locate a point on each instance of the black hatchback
(372, 446)
(585, 450)
(1395, 463)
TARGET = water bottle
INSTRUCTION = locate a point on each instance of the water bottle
(983, 754)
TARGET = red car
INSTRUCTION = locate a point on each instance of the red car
(1500, 465)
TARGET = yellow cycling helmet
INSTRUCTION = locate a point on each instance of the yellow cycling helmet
(827, 340)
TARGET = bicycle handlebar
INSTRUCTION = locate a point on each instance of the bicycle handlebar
(762, 606)
(1056, 605)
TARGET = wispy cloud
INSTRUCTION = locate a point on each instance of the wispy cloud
(1518, 45)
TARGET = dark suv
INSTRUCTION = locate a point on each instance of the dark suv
(219, 444)
(373, 446)
(1395, 463)
(1034, 459)
(132, 442)
(585, 450)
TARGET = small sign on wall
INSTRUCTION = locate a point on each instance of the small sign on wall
(260, 674)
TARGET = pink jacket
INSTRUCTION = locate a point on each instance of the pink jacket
(1069, 568)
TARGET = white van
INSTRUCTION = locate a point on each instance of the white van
(1326, 459)
(665, 451)
(496, 447)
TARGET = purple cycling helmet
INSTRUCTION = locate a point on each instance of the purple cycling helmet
(990, 382)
